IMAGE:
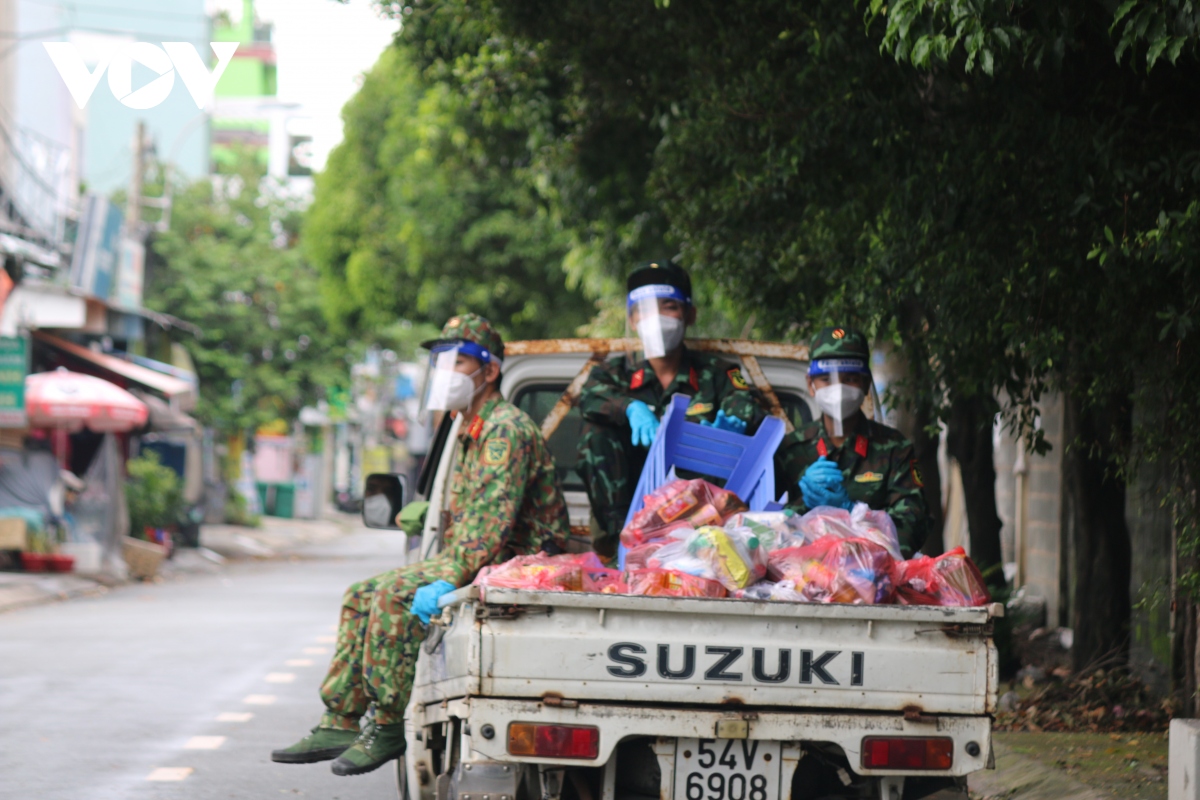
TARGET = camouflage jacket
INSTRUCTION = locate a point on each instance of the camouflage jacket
(880, 470)
(504, 495)
(713, 385)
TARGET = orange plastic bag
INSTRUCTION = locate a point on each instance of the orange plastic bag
(667, 583)
(680, 504)
(951, 579)
(836, 570)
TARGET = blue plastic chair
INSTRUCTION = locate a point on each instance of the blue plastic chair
(746, 463)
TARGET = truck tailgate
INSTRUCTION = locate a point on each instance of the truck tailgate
(703, 651)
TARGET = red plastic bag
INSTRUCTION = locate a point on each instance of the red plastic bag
(604, 581)
(680, 504)
(539, 572)
(668, 583)
(836, 570)
(951, 579)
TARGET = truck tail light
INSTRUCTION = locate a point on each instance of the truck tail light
(553, 741)
(907, 752)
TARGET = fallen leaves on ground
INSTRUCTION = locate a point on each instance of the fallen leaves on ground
(1103, 701)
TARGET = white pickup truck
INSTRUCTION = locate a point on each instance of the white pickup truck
(526, 695)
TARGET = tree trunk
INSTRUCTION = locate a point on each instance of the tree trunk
(969, 440)
(925, 448)
(1094, 511)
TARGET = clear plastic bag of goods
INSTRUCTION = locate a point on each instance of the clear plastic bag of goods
(784, 591)
(680, 504)
(676, 555)
(735, 556)
(951, 579)
(668, 583)
(862, 522)
(639, 557)
(540, 572)
(774, 529)
(836, 570)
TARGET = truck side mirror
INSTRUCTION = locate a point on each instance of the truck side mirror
(383, 497)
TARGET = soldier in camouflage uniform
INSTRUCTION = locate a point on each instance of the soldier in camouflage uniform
(611, 452)
(866, 462)
(504, 500)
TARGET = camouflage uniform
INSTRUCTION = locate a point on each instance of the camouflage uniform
(608, 462)
(504, 500)
(880, 470)
(877, 462)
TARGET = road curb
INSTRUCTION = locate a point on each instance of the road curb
(31, 591)
(1017, 777)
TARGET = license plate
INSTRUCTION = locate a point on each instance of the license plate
(726, 769)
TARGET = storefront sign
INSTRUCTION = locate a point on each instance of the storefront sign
(14, 366)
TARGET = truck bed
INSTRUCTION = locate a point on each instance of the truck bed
(696, 651)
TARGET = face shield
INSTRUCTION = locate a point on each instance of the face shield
(655, 313)
(454, 368)
(840, 386)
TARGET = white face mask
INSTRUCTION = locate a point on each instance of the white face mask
(452, 391)
(840, 400)
(660, 334)
(377, 511)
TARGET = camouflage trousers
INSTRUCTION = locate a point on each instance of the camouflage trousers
(378, 640)
(610, 466)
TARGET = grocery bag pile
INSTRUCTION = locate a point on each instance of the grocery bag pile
(694, 539)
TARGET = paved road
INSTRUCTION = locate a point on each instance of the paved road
(195, 680)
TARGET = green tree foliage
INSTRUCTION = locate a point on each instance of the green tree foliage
(154, 495)
(229, 265)
(415, 218)
(1012, 203)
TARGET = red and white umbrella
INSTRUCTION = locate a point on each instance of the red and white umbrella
(73, 401)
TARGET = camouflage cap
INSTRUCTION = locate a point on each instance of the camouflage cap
(840, 343)
(469, 328)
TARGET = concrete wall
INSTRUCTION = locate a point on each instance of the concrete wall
(1035, 508)
(1151, 534)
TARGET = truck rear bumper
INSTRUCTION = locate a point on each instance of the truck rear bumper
(971, 735)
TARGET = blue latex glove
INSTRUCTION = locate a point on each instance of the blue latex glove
(822, 486)
(425, 601)
(724, 423)
(643, 422)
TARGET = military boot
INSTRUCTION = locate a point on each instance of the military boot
(321, 744)
(376, 745)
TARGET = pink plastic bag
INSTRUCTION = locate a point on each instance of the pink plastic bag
(667, 583)
(836, 570)
(680, 504)
(537, 572)
(951, 579)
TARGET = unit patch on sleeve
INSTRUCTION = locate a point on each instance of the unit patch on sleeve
(735, 378)
(637, 380)
(496, 451)
(916, 474)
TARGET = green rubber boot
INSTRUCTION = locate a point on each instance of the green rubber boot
(376, 745)
(321, 744)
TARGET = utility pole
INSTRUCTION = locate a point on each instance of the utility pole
(133, 212)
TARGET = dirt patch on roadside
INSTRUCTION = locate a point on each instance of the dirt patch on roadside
(1121, 766)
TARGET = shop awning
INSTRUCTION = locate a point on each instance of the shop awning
(180, 393)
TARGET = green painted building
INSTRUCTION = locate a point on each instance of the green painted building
(249, 81)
